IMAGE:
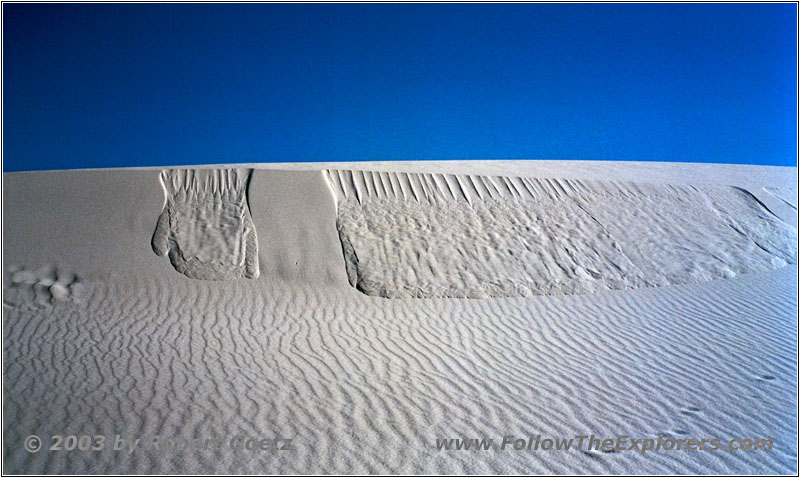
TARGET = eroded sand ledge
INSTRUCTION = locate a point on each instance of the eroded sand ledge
(447, 235)
(102, 336)
(205, 227)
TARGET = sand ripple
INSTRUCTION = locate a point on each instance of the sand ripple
(367, 384)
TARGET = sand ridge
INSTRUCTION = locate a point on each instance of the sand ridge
(366, 384)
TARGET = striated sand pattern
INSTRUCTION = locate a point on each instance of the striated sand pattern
(366, 385)
(205, 227)
(437, 235)
(103, 337)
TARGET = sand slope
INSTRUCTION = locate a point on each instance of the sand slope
(443, 235)
(205, 227)
(103, 336)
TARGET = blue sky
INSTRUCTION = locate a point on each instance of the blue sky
(139, 84)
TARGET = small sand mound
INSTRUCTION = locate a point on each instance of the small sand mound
(44, 286)
(440, 235)
(205, 227)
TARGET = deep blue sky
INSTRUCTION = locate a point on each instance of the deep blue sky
(133, 85)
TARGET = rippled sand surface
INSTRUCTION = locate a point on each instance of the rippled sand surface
(102, 336)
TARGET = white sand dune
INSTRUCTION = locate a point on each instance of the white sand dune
(640, 300)
(444, 235)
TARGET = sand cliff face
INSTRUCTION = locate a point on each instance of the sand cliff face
(609, 307)
(205, 227)
(436, 235)
(471, 236)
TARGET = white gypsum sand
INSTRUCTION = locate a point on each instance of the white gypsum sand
(205, 227)
(444, 235)
(527, 298)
